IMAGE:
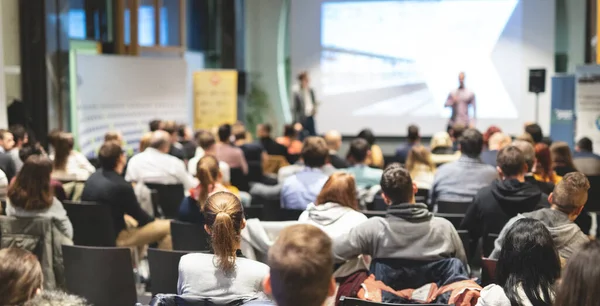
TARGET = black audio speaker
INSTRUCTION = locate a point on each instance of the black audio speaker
(537, 80)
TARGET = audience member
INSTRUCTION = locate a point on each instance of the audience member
(186, 139)
(334, 142)
(7, 141)
(547, 141)
(225, 276)
(376, 158)
(529, 155)
(108, 187)
(155, 125)
(584, 158)
(488, 134)
(495, 142)
(441, 149)
(526, 137)
(494, 205)
(68, 163)
(31, 195)
(544, 168)
(155, 165)
(421, 167)
(20, 276)
(145, 141)
(263, 131)
(562, 158)
(413, 138)
(301, 268)
(535, 131)
(303, 187)
(459, 181)
(366, 177)
(291, 142)
(175, 149)
(20, 138)
(527, 268)
(208, 147)
(115, 136)
(336, 208)
(209, 175)
(254, 153)
(566, 203)
(228, 153)
(456, 133)
(7, 165)
(409, 230)
(56, 298)
(581, 277)
(35, 149)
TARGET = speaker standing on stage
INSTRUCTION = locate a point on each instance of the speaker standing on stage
(459, 100)
(305, 105)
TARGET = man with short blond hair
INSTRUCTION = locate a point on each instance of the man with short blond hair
(333, 139)
(496, 142)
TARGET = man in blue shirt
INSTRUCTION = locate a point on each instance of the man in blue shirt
(303, 187)
(413, 138)
(584, 158)
(365, 176)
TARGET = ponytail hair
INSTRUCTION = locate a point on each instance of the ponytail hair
(224, 217)
(207, 172)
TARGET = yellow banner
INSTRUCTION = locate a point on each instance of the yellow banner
(215, 98)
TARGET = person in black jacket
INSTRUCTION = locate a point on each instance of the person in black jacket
(506, 197)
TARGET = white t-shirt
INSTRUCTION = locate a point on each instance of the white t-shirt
(153, 166)
(309, 104)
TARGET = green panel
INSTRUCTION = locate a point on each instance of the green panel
(77, 47)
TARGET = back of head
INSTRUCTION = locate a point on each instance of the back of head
(113, 136)
(20, 275)
(31, 188)
(109, 155)
(145, 141)
(239, 131)
(397, 185)
(206, 140)
(155, 125)
(471, 143)
(170, 127)
(413, 133)
(289, 131)
(571, 193)
(511, 162)
(19, 133)
(359, 150)
(264, 130)
(419, 155)
(224, 218)
(535, 131)
(488, 134)
(529, 259)
(207, 172)
(441, 140)
(561, 154)
(62, 149)
(367, 135)
(585, 145)
(581, 278)
(224, 133)
(340, 188)
(333, 139)
(528, 152)
(544, 160)
(56, 298)
(526, 137)
(498, 141)
(30, 149)
(314, 152)
(301, 264)
(160, 140)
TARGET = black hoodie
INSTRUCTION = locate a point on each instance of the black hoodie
(494, 205)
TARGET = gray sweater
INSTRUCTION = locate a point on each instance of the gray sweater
(55, 211)
(409, 231)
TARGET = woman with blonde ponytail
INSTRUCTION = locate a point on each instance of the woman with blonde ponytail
(224, 276)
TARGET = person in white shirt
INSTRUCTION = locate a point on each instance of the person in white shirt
(207, 145)
(305, 105)
(68, 163)
(155, 165)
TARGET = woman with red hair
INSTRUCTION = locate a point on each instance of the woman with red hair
(488, 134)
(544, 168)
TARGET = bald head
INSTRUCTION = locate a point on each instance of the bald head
(161, 141)
(528, 152)
(334, 140)
(498, 141)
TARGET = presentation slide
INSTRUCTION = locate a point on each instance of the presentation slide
(389, 64)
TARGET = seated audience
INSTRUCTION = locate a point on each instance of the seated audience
(156, 166)
(210, 176)
(288, 171)
(459, 181)
(365, 176)
(420, 166)
(566, 203)
(301, 268)
(175, 149)
(186, 139)
(526, 137)
(108, 187)
(291, 141)
(376, 158)
(441, 149)
(584, 158)
(155, 125)
(535, 131)
(506, 197)
(409, 230)
(31, 196)
(496, 142)
(228, 153)
(21, 138)
(263, 132)
(529, 155)
(527, 268)
(114, 136)
(224, 276)
(544, 168)
(21, 276)
(562, 158)
(208, 145)
(68, 163)
(7, 141)
(253, 152)
(487, 135)
(336, 208)
(35, 149)
(456, 132)
(304, 186)
(334, 142)
(413, 138)
(579, 284)
(145, 141)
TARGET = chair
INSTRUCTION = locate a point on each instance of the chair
(422, 196)
(466, 242)
(271, 210)
(92, 224)
(164, 270)
(169, 199)
(455, 219)
(189, 237)
(379, 203)
(374, 213)
(254, 212)
(593, 202)
(346, 301)
(488, 271)
(453, 207)
(177, 300)
(289, 214)
(488, 244)
(103, 276)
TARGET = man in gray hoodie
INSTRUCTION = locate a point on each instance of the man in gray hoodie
(409, 230)
(567, 201)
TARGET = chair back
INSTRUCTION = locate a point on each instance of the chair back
(346, 301)
(177, 300)
(254, 212)
(271, 209)
(379, 203)
(488, 244)
(101, 275)
(488, 271)
(239, 179)
(164, 270)
(289, 214)
(465, 238)
(169, 198)
(453, 207)
(455, 219)
(92, 223)
(422, 196)
(189, 237)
